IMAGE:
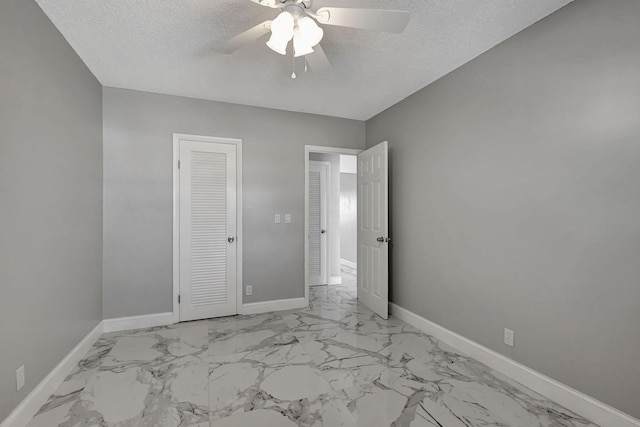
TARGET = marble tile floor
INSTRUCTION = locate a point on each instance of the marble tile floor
(332, 364)
(349, 276)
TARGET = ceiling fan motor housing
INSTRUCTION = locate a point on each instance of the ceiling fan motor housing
(294, 9)
(276, 4)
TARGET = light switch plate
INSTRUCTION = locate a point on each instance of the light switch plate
(287, 218)
(20, 378)
(276, 219)
(509, 337)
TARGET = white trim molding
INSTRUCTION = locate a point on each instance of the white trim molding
(24, 412)
(276, 305)
(348, 263)
(138, 322)
(574, 400)
(176, 216)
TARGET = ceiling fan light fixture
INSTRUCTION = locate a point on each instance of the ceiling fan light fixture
(300, 44)
(311, 32)
(282, 26)
(278, 44)
(281, 32)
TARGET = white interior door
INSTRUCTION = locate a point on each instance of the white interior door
(207, 206)
(317, 223)
(373, 229)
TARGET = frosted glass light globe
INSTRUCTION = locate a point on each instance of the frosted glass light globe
(281, 33)
(300, 45)
(310, 30)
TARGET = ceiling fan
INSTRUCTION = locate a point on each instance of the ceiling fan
(299, 23)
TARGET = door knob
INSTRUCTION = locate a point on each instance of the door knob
(323, 231)
(380, 239)
(231, 239)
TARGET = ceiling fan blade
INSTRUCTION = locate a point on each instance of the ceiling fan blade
(274, 4)
(243, 39)
(318, 61)
(390, 21)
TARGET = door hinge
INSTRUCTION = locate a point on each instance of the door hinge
(178, 299)
(178, 164)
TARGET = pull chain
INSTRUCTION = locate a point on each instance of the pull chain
(305, 64)
(293, 65)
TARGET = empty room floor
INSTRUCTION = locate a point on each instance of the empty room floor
(333, 364)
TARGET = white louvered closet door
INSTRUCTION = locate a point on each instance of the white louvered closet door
(207, 230)
(317, 224)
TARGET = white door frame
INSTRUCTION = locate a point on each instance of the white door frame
(177, 137)
(307, 150)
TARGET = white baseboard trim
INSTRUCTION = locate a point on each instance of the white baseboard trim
(349, 264)
(138, 322)
(276, 305)
(335, 280)
(25, 411)
(574, 400)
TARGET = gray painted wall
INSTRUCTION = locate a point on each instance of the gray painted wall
(349, 217)
(50, 198)
(333, 211)
(138, 132)
(515, 186)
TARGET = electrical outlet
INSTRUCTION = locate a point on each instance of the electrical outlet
(287, 218)
(277, 219)
(249, 290)
(20, 378)
(509, 337)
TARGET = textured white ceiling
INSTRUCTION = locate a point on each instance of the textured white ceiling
(164, 46)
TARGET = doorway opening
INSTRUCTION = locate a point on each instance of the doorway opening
(331, 221)
(323, 235)
(349, 221)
